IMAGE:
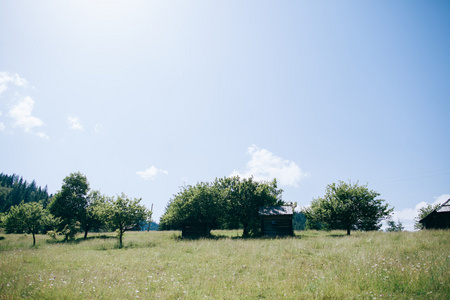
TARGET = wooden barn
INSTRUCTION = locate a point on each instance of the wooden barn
(438, 218)
(195, 230)
(276, 220)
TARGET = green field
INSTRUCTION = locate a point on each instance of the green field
(152, 265)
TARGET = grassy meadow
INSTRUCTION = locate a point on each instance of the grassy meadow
(161, 265)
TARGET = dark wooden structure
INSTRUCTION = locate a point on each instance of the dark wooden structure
(195, 230)
(134, 227)
(438, 218)
(276, 220)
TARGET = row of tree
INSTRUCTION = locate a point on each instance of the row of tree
(226, 203)
(14, 189)
(233, 202)
(75, 208)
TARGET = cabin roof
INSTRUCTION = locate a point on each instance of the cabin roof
(444, 208)
(276, 210)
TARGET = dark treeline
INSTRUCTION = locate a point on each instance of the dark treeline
(14, 189)
(299, 221)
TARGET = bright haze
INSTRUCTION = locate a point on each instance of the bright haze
(146, 96)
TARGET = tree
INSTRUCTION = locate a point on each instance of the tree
(71, 202)
(95, 213)
(224, 204)
(299, 221)
(242, 199)
(196, 204)
(392, 227)
(348, 206)
(423, 212)
(124, 212)
(14, 190)
(29, 217)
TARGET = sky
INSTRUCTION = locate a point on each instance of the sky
(144, 97)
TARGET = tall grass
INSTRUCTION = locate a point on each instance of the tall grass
(152, 265)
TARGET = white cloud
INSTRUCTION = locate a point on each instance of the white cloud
(43, 135)
(265, 166)
(75, 123)
(98, 128)
(441, 199)
(151, 173)
(21, 114)
(6, 79)
(407, 215)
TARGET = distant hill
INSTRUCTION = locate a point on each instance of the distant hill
(144, 226)
(299, 221)
(14, 189)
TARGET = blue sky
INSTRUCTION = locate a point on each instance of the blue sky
(145, 96)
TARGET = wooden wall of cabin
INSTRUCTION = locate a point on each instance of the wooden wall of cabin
(276, 225)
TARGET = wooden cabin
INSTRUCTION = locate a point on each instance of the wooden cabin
(134, 227)
(438, 218)
(276, 220)
(195, 230)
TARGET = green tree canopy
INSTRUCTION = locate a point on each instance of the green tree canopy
(394, 227)
(198, 204)
(124, 212)
(28, 217)
(348, 206)
(226, 203)
(95, 215)
(423, 212)
(242, 199)
(70, 203)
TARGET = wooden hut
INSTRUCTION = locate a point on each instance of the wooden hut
(276, 220)
(438, 218)
(134, 227)
(195, 230)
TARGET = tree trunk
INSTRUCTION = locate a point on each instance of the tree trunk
(245, 233)
(34, 239)
(86, 233)
(348, 231)
(120, 238)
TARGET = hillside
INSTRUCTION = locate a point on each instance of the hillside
(14, 189)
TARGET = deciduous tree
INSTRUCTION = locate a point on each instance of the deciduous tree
(226, 203)
(28, 217)
(348, 206)
(196, 204)
(394, 227)
(70, 203)
(423, 212)
(242, 199)
(95, 215)
(124, 212)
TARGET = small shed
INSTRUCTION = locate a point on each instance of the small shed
(195, 230)
(276, 220)
(134, 227)
(438, 218)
